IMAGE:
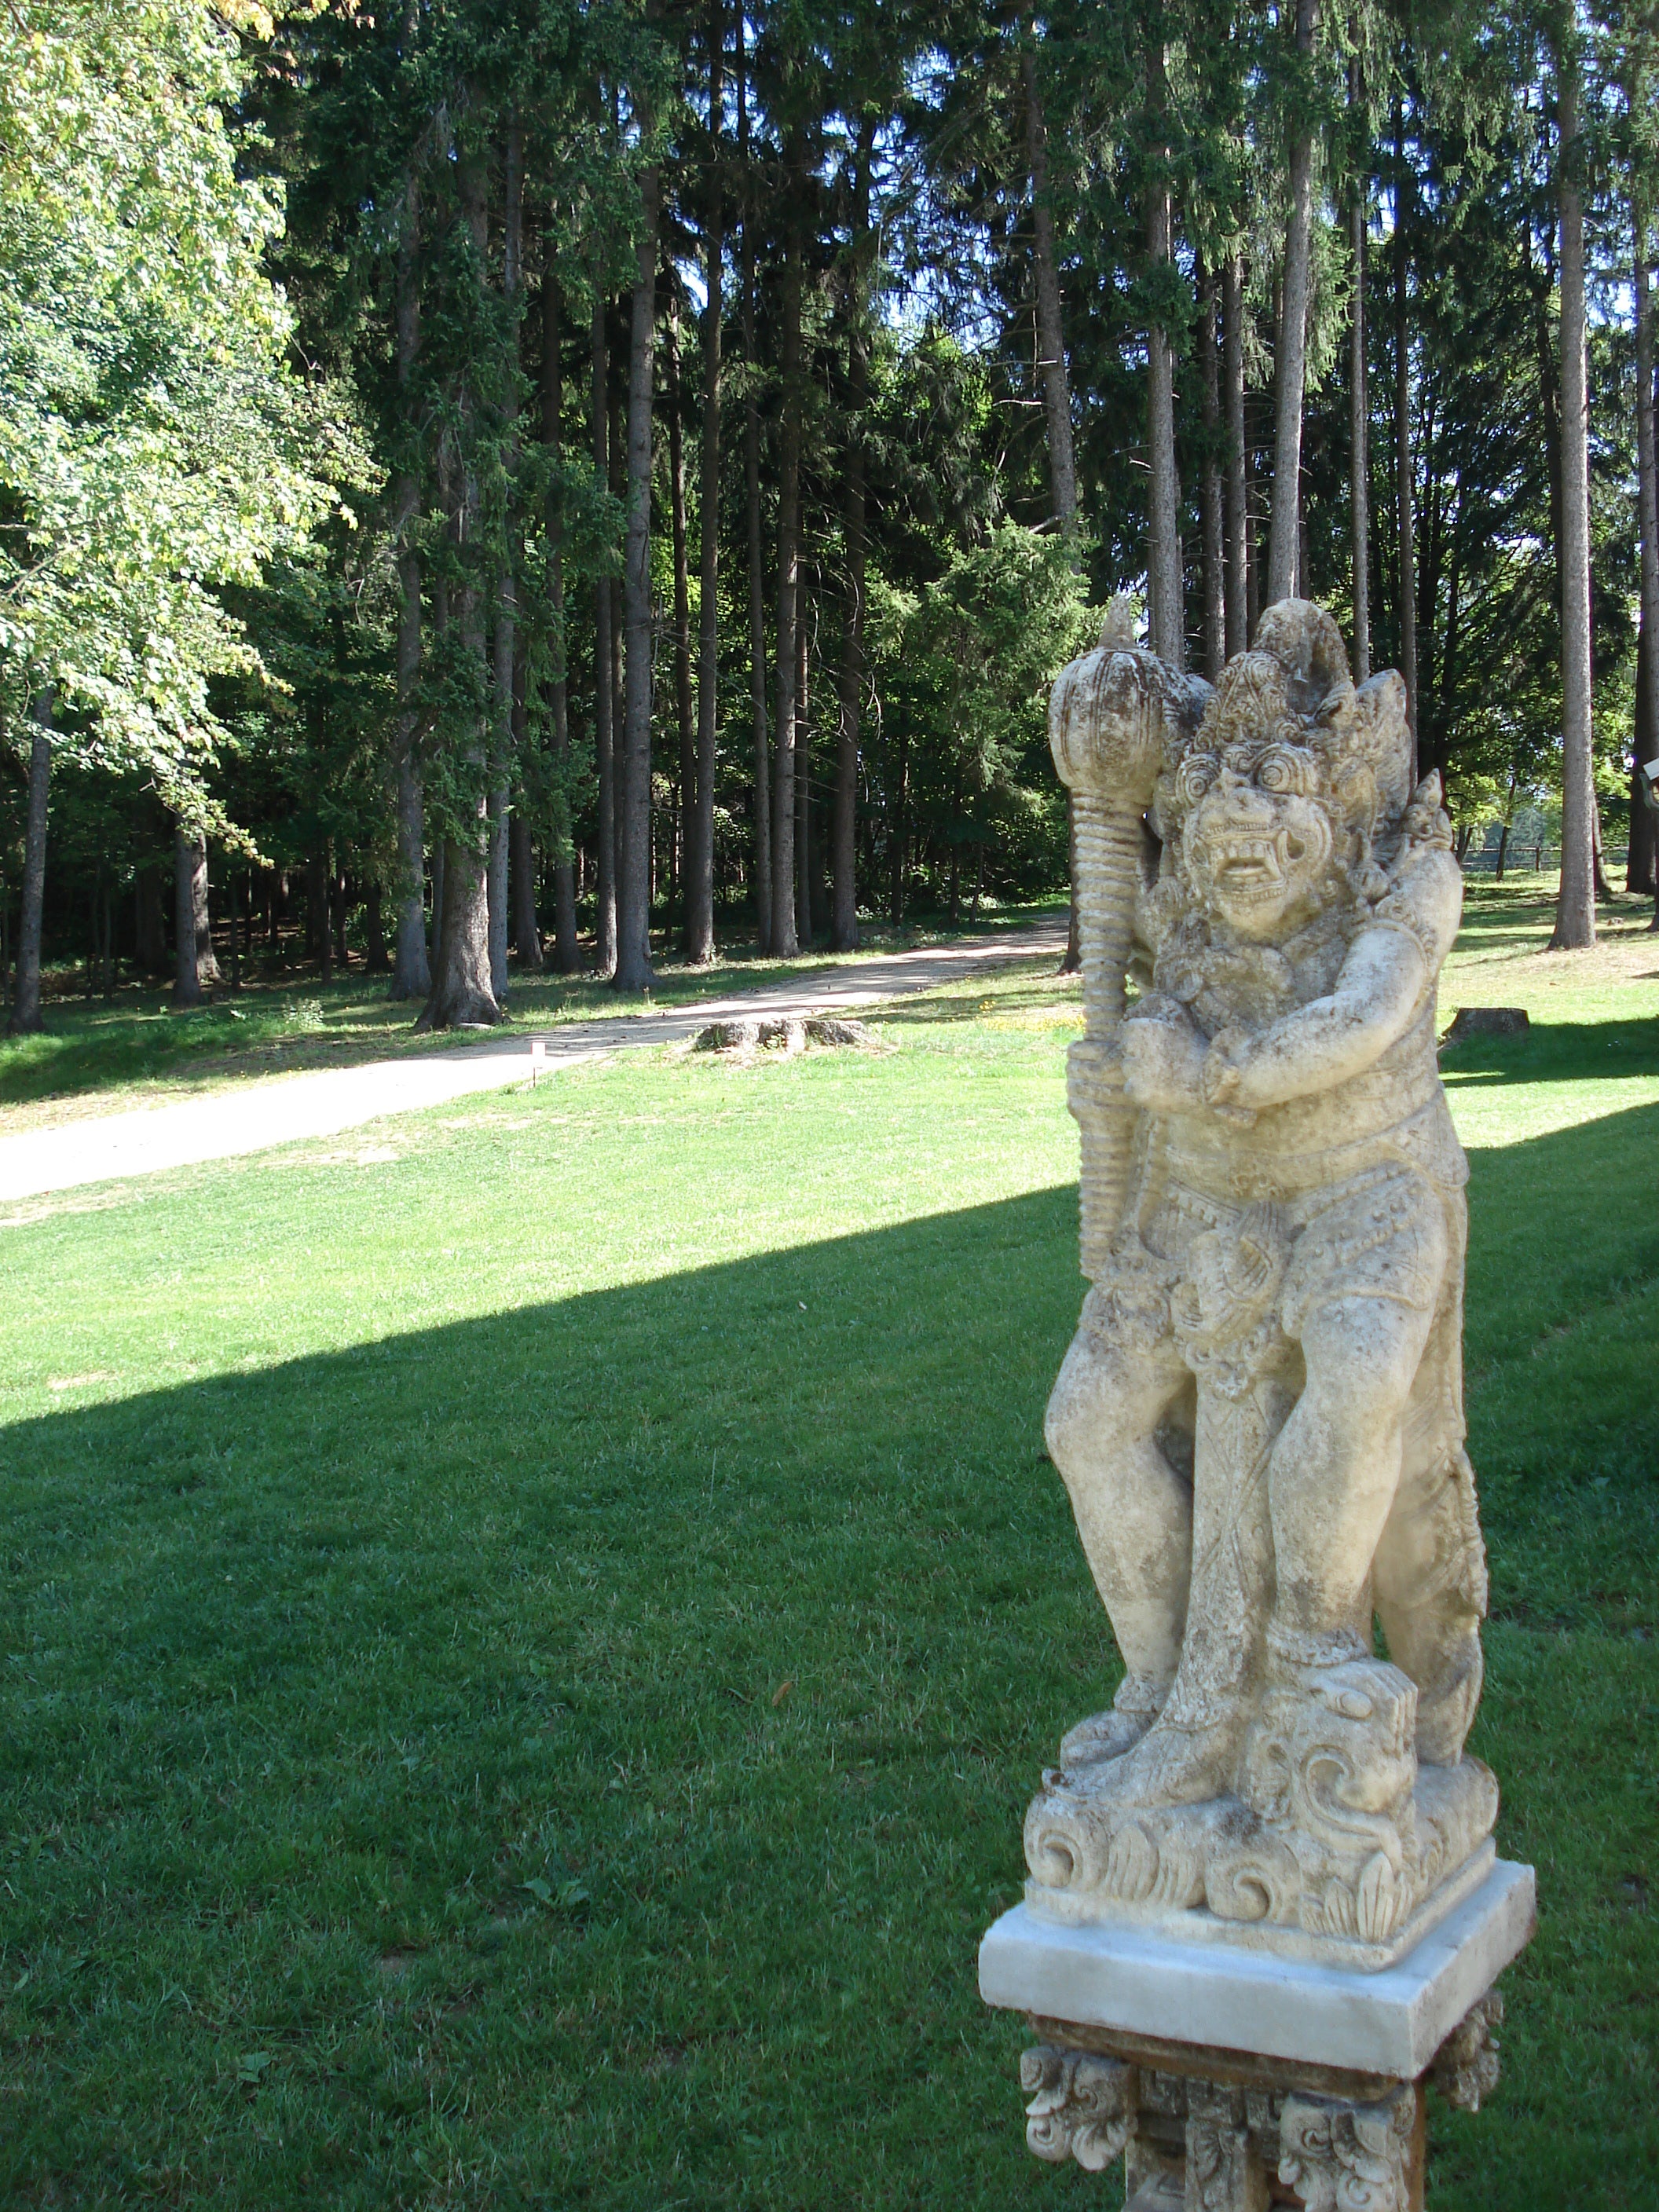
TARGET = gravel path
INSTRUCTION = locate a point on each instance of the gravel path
(281, 1110)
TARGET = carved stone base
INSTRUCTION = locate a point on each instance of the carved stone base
(1332, 2117)
(1215, 1868)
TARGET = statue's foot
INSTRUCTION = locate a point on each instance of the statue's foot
(1140, 1699)
(1173, 1766)
(1102, 1736)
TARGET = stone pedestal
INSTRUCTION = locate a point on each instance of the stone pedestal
(1229, 2079)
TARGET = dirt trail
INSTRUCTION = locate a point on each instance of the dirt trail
(282, 1109)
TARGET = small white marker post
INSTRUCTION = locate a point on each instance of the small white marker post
(537, 1058)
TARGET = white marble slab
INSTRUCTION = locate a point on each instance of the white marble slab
(1391, 2022)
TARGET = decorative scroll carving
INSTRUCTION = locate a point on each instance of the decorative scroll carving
(1466, 2068)
(1083, 2106)
(1348, 2158)
(1224, 2172)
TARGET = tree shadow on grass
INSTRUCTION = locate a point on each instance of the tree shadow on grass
(579, 1748)
(1557, 1052)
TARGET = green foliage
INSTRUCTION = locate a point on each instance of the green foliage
(152, 442)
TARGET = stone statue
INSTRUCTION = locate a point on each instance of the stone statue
(1260, 1422)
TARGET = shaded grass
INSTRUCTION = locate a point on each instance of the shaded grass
(525, 1657)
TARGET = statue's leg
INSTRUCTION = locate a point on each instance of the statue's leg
(1430, 1593)
(1335, 1469)
(1135, 1512)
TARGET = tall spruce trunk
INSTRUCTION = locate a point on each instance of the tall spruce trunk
(634, 857)
(1166, 618)
(803, 785)
(1232, 351)
(566, 951)
(685, 727)
(763, 779)
(461, 991)
(411, 973)
(1642, 874)
(1575, 911)
(1360, 449)
(700, 841)
(605, 748)
(1215, 616)
(526, 928)
(507, 594)
(1056, 401)
(25, 1018)
(844, 902)
(786, 941)
(1290, 364)
(1051, 343)
(1404, 481)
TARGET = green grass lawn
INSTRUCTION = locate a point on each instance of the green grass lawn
(133, 1047)
(529, 1632)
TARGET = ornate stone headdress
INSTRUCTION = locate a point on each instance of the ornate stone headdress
(1288, 713)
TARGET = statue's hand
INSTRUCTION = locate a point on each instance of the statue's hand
(1222, 1072)
(1163, 1056)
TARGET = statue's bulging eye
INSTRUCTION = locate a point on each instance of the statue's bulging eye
(1287, 771)
(1197, 772)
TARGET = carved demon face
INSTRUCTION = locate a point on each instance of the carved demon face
(1257, 841)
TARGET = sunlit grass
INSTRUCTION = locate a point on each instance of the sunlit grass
(529, 1633)
(135, 1043)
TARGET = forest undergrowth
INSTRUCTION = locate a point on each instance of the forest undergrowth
(529, 1630)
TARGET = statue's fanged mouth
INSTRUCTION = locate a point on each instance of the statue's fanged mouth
(1254, 868)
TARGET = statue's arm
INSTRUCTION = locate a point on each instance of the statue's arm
(1369, 1008)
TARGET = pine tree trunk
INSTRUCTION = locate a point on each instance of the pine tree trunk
(762, 789)
(25, 1018)
(411, 973)
(1232, 351)
(844, 904)
(700, 841)
(1056, 402)
(785, 940)
(461, 990)
(566, 954)
(507, 594)
(1051, 343)
(1359, 451)
(803, 788)
(686, 728)
(1215, 616)
(605, 749)
(1641, 874)
(1291, 355)
(1575, 912)
(1404, 519)
(633, 869)
(1166, 618)
(526, 925)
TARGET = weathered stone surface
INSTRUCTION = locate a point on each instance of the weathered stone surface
(1466, 2068)
(1237, 1992)
(1487, 1021)
(1261, 1421)
(829, 1029)
(786, 1033)
(728, 1036)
